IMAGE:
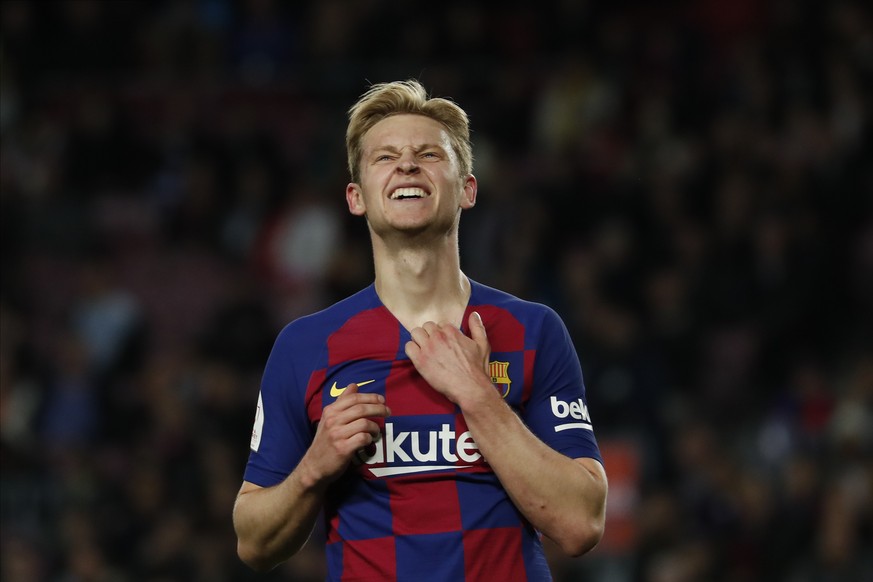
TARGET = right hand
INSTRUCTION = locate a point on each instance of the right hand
(346, 426)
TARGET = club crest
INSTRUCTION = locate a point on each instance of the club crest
(499, 372)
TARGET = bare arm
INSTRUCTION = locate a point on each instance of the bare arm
(564, 498)
(273, 523)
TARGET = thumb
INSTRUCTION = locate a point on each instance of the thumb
(478, 333)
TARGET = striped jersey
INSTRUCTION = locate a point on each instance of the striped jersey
(421, 503)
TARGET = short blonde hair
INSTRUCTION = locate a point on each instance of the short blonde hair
(386, 99)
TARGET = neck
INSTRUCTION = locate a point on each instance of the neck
(422, 283)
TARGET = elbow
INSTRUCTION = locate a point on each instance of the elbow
(255, 559)
(582, 539)
(263, 557)
(585, 528)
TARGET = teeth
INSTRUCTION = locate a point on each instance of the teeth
(408, 193)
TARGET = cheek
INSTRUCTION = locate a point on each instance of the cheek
(375, 179)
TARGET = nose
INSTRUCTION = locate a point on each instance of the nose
(407, 163)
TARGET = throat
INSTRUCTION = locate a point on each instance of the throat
(411, 320)
(439, 301)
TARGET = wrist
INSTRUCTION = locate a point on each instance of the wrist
(481, 393)
(308, 477)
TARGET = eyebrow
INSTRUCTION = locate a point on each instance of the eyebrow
(416, 148)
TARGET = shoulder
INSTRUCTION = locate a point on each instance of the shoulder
(513, 323)
(312, 329)
(518, 307)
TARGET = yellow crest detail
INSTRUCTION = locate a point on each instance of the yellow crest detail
(499, 372)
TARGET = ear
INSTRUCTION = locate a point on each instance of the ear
(470, 188)
(355, 199)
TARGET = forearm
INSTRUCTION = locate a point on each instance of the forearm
(273, 523)
(562, 497)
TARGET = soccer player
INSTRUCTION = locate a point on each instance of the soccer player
(440, 424)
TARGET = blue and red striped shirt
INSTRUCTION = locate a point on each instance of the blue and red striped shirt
(421, 502)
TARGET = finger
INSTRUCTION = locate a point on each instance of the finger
(347, 407)
(477, 331)
(412, 350)
(344, 423)
(368, 411)
(360, 426)
(369, 427)
(348, 438)
(430, 327)
(348, 391)
(449, 328)
(419, 335)
(353, 389)
(363, 405)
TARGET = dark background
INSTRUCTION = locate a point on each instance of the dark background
(687, 183)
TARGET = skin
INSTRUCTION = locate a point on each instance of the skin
(419, 280)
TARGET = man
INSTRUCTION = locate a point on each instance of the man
(440, 424)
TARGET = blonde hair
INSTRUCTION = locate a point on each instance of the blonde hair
(386, 99)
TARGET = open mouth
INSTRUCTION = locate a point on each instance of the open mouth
(408, 194)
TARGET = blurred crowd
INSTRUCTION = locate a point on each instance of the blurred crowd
(688, 183)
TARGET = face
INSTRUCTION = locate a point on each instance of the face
(410, 181)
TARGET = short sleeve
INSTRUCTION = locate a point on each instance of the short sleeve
(282, 432)
(557, 411)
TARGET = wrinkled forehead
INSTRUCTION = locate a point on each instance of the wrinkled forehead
(405, 130)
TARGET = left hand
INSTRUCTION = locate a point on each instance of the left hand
(448, 359)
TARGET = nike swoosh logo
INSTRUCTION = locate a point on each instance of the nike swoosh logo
(335, 392)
